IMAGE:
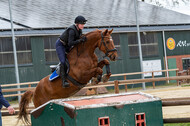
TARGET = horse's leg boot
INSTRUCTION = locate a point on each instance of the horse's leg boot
(63, 76)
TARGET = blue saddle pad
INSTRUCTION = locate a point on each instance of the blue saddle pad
(53, 76)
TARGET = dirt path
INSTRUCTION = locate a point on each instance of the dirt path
(168, 112)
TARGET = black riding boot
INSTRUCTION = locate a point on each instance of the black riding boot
(63, 76)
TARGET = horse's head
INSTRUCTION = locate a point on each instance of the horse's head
(107, 46)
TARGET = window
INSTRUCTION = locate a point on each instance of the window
(116, 41)
(186, 63)
(49, 49)
(103, 121)
(140, 119)
(23, 47)
(149, 44)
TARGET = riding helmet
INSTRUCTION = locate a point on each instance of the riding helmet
(80, 20)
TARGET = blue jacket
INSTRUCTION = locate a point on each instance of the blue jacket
(3, 101)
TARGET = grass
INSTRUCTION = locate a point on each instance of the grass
(178, 124)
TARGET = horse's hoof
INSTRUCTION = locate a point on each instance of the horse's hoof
(105, 78)
(99, 78)
(93, 81)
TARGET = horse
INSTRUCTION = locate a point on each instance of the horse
(83, 66)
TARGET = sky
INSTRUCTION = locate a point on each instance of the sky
(181, 7)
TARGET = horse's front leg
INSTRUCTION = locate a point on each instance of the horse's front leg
(97, 75)
(101, 64)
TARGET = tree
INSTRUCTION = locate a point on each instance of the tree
(168, 3)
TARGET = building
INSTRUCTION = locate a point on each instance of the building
(38, 24)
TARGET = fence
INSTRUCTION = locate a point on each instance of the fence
(176, 102)
(18, 89)
(115, 83)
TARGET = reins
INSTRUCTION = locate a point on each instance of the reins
(78, 53)
(102, 43)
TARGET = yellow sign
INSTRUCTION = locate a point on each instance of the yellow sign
(170, 43)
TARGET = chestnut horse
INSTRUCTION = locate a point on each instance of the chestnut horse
(83, 66)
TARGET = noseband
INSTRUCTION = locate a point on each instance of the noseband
(107, 50)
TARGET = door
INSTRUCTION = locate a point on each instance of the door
(172, 65)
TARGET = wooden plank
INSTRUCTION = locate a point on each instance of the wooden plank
(16, 108)
(13, 95)
(26, 83)
(155, 79)
(114, 75)
(17, 89)
(136, 81)
(176, 120)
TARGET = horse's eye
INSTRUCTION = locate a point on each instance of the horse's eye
(107, 42)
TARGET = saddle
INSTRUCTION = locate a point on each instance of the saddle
(56, 73)
(55, 69)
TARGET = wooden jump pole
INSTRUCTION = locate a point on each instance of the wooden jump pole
(176, 120)
(176, 101)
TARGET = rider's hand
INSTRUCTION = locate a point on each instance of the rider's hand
(83, 39)
(11, 110)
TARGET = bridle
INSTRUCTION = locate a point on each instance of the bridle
(107, 50)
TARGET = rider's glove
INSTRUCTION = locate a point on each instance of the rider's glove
(83, 39)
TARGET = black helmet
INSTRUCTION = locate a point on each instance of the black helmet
(80, 20)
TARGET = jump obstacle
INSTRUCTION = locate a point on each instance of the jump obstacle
(125, 109)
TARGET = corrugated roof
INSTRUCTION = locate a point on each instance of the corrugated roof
(58, 31)
(61, 13)
(7, 25)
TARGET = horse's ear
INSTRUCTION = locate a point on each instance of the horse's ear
(105, 32)
(110, 31)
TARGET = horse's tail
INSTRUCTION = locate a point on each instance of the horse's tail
(24, 104)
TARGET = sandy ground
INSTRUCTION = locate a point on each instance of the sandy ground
(168, 112)
(173, 92)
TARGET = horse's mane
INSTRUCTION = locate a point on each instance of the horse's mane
(88, 35)
(92, 32)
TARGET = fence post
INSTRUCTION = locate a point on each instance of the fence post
(116, 87)
(153, 83)
(125, 78)
(188, 73)
(177, 75)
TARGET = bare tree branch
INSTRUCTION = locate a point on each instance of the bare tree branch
(171, 3)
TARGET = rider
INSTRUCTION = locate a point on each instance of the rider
(69, 38)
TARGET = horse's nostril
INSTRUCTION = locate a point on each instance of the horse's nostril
(114, 58)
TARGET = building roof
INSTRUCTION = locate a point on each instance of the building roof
(100, 13)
